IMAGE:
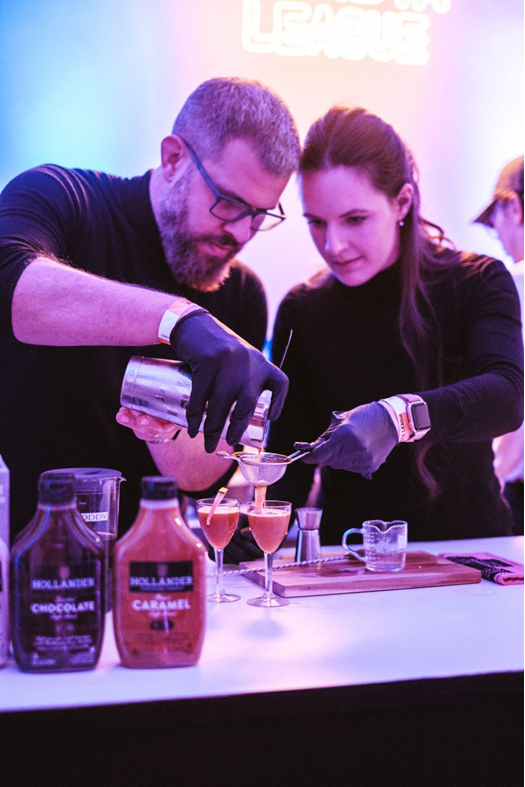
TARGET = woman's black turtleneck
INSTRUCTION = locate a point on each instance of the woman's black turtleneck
(346, 351)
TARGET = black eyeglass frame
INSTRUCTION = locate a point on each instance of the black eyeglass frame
(245, 209)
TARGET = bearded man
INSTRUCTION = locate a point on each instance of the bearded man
(92, 264)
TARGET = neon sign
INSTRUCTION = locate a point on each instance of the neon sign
(352, 31)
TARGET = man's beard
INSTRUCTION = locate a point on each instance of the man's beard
(188, 262)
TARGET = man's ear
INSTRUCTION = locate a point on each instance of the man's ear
(515, 208)
(174, 156)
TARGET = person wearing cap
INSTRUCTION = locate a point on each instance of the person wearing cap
(96, 268)
(504, 214)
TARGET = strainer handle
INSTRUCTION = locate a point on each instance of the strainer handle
(298, 455)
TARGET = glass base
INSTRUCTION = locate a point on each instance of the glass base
(272, 601)
(224, 598)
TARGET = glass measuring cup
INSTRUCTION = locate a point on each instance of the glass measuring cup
(385, 544)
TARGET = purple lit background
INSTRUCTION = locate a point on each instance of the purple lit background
(97, 84)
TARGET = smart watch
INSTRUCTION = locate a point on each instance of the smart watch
(418, 418)
(410, 416)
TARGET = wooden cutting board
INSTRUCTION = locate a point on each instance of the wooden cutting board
(350, 575)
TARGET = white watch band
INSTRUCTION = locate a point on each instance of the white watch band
(397, 410)
(400, 410)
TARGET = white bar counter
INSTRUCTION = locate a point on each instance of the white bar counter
(315, 642)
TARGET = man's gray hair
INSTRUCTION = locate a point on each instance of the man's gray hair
(227, 108)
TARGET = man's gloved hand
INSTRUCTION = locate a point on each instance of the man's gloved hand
(241, 548)
(358, 440)
(225, 370)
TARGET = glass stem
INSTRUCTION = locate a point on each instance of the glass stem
(219, 554)
(268, 567)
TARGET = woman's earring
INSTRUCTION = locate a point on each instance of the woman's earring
(401, 223)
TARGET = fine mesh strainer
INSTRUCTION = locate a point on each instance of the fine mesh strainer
(264, 469)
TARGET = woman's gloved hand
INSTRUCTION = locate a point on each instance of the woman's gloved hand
(358, 440)
(226, 371)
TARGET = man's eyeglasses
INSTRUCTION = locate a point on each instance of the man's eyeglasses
(231, 210)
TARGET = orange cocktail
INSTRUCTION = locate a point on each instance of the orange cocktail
(219, 527)
(269, 524)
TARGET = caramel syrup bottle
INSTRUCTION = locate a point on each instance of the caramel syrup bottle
(57, 598)
(159, 603)
(4, 609)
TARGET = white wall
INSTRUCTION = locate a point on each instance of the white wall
(94, 83)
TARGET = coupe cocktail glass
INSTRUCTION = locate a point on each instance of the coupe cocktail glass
(219, 529)
(269, 525)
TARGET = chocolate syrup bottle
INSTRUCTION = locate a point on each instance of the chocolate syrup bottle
(4, 607)
(159, 602)
(57, 582)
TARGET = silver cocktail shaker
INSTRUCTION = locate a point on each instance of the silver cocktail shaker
(308, 545)
(162, 388)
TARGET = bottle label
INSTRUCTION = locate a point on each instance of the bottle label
(160, 577)
(63, 613)
(160, 612)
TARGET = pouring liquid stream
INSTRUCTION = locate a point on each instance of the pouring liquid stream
(260, 491)
(260, 497)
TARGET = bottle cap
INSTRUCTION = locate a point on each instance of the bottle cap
(158, 487)
(56, 488)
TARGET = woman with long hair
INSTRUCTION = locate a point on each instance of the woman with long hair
(409, 349)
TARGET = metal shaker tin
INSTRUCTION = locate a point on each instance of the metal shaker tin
(162, 388)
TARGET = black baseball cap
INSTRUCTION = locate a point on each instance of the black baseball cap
(510, 179)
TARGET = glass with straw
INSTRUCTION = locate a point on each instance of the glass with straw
(218, 517)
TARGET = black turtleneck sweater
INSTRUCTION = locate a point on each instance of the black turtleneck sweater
(58, 404)
(346, 351)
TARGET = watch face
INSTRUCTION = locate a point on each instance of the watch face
(420, 416)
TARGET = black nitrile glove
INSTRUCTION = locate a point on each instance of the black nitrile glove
(241, 548)
(358, 440)
(225, 370)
